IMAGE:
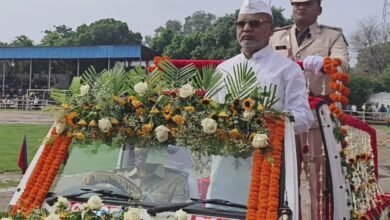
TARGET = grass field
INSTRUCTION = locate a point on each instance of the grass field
(11, 138)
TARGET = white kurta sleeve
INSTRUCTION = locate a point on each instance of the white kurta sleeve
(296, 99)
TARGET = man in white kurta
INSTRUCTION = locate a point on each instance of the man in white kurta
(230, 177)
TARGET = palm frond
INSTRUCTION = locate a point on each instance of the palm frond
(208, 79)
(268, 96)
(174, 76)
(90, 76)
(58, 95)
(74, 87)
(242, 83)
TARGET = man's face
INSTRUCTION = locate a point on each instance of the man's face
(253, 31)
(306, 13)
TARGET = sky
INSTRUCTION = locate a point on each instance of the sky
(33, 17)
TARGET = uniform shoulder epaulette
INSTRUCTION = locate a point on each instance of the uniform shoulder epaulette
(283, 28)
(331, 27)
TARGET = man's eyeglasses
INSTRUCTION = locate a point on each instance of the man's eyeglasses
(252, 23)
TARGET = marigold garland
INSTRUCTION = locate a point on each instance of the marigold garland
(339, 91)
(263, 199)
(43, 174)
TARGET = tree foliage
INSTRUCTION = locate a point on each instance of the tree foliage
(360, 90)
(202, 36)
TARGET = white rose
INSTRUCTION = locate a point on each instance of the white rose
(248, 115)
(104, 125)
(161, 133)
(132, 214)
(60, 127)
(260, 141)
(181, 215)
(84, 89)
(52, 216)
(141, 88)
(209, 125)
(6, 218)
(186, 91)
(62, 201)
(95, 203)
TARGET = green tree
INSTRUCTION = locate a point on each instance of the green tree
(199, 21)
(279, 19)
(360, 90)
(60, 36)
(106, 31)
(22, 41)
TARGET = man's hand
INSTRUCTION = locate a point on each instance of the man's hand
(313, 64)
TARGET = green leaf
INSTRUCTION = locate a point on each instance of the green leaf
(241, 83)
(208, 79)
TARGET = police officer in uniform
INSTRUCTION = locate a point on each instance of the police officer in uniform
(310, 42)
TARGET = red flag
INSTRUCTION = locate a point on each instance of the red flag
(22, 161)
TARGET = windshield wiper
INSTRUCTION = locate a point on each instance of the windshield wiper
(103, 193)
(176, 206)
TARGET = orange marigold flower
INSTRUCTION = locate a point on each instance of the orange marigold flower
(139, 112)
(154, 111)
(71, 118)
(343, 132)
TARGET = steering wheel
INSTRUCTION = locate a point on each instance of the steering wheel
(119, 182)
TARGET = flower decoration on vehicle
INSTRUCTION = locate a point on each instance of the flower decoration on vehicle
(357, 160)
(92, 209)
(339, 91)
(170, 106)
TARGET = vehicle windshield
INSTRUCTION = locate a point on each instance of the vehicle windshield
(165, 175)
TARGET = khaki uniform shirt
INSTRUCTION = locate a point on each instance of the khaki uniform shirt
(163, 185)
(322, 40)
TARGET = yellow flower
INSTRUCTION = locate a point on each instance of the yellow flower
(119, 101)
(248, 104)
(131, 99)
(167, 112)
(223, 115)
(136, 104)
(82, 123)
(234, 134)
(178, 119)
(114, 121)
(80, 136)
(66, 106)
(92, 123)
(69, 119)
(260, 108)
(189, 108)
(147, 128)
(154, 111)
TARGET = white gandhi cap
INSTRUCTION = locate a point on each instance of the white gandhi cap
(255, 6)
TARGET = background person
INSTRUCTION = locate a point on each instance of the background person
(230, 177)
(310, 42)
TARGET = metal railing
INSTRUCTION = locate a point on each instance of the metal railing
(371, 117)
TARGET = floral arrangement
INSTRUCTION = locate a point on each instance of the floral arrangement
(339, 91)
(169, 105)
(93, 209)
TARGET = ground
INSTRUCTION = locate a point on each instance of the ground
(38, 117)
